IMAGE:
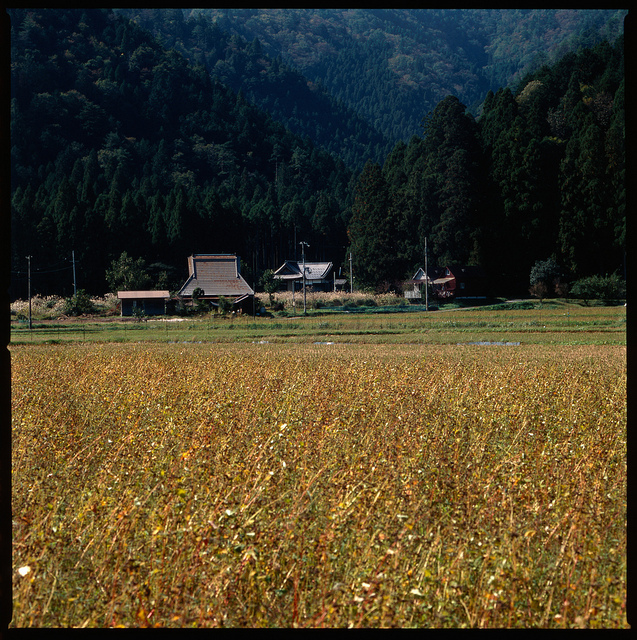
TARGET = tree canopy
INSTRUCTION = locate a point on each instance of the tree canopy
(123, 143)
(540, 173)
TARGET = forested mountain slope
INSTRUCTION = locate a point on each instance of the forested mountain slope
(541, 174)
(121, 145)
(393, 66)
(303, 106)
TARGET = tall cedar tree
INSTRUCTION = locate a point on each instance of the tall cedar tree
(372, 230)
(454, 176)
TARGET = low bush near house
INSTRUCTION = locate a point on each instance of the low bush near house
(78, 304)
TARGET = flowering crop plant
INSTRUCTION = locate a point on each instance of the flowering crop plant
(306, 485)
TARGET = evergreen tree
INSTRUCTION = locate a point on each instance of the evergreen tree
(372, 231)
(453, 181)
(586, 232)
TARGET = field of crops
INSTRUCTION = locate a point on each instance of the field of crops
(310, 485)
(556, 323)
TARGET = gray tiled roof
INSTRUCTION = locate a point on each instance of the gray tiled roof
(217, 275)
(293, 270)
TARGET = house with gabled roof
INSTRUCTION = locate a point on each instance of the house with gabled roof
(414, 289)
(319, 276)
(459, 281)
(217, 276)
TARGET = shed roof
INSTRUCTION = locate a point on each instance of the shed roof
(217, 274)
(139, 295)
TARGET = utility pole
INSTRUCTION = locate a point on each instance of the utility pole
(303, 245)
(293, 298)
(29, 288)
(74, 281)
(426, 280)
(351, 277)
(294, 281)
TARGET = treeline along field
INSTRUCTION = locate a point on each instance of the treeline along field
(319, 485)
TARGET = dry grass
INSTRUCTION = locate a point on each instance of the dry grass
(306, 485)
(52, 307)
(323, 299)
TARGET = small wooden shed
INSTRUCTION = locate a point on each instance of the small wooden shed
(151, 303)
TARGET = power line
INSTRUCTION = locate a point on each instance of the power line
(48, 269)
(53, 270)
(38, 271)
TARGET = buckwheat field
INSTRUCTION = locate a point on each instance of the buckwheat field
(319, 485)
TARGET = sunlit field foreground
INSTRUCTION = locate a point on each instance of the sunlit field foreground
(214, 485)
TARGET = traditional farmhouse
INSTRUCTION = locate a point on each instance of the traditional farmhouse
(150, 303)
(320, 276)
(460, 282)
(217, 276)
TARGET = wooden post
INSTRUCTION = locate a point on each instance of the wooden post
(426, 278)
(303, 245)
(29, 288)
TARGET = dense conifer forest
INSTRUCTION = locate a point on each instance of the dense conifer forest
(164, 133)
